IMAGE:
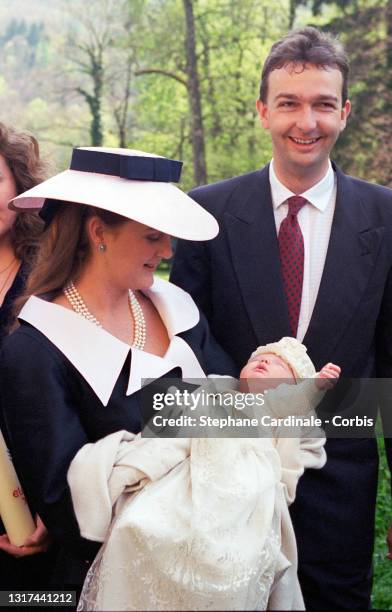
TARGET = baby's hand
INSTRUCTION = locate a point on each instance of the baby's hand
(327, 377)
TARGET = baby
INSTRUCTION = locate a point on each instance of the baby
(280, 362)
(202, 523)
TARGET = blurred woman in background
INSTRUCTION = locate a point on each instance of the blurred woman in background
(20, 168)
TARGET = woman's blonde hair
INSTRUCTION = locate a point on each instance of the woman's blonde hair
(21, 154)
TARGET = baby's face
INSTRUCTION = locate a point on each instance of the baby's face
(269, 367)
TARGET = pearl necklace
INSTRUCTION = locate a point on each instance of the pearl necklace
(139, 337)
(140, 331)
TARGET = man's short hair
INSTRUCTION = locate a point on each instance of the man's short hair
(306, 46)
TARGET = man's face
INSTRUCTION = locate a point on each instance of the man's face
(305, 115)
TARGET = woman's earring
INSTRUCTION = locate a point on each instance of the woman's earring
(102, 247)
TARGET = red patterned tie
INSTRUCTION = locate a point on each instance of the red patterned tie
(291, 247)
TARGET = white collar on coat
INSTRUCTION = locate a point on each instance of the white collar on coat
(99, 357)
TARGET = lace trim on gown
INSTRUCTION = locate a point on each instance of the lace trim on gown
(204, 537)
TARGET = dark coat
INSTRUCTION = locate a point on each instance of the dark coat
(50, 412)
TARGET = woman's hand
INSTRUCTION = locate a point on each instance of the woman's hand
(38, 542)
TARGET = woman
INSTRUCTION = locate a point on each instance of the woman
(73, 369)
(20, 169)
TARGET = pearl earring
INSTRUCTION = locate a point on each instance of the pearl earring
(102, 247)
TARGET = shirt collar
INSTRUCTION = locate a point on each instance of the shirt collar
(319, 195)
(101, 366)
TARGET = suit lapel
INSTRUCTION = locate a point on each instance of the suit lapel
(251, 232)
(352, 250)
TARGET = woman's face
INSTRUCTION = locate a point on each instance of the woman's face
(7, 193)
(133, 253)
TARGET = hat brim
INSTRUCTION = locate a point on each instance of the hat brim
(159, 205)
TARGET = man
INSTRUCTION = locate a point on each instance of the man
(317, 267)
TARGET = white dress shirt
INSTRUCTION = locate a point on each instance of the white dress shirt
(315, 220)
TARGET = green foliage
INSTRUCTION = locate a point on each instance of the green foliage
(232, 40)
(365, 147)
(382, 591)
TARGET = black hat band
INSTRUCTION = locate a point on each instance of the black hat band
(132, 167)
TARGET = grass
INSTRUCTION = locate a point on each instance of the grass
(382, 585)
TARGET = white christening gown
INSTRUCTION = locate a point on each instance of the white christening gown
(199, 524)
(204, 537)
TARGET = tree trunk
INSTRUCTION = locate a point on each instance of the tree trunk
(96, 102)
(388, 15)
(216, 127)
(121, 108)
(388, 89)
(198, 144)
(292, 11)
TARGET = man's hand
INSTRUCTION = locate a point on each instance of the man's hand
(38, 542)
(327, 377)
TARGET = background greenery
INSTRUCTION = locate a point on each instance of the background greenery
(382, 591)
(180, 78)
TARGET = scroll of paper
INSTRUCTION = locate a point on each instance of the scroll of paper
(14, 511)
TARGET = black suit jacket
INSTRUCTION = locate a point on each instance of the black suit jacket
(236, 280)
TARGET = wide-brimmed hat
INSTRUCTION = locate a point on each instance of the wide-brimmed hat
(131, 183)
(293, 352)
